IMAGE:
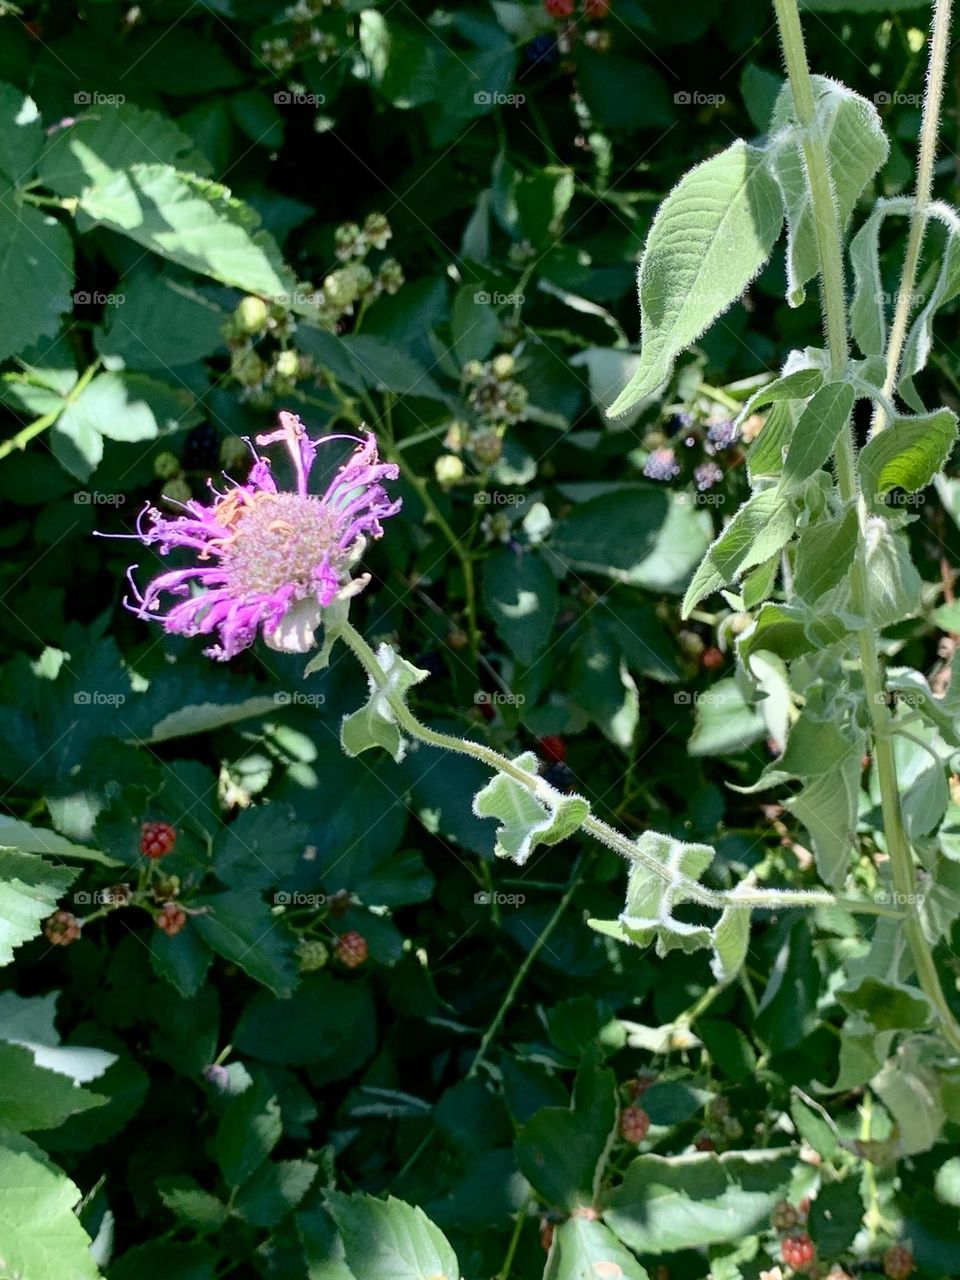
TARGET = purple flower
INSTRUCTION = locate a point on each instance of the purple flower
(267, 559)
(722, 434)
(706, 475)
(661, 465)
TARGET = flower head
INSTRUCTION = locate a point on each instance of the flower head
(661, 465)
(267, 559)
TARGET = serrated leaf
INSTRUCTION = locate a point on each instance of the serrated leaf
(584, 1247)
(669, 1203)
(527, 820)
(828, 807)
(21, 134)
(821, 422)
(274, 1191)
(36, 268)
(390, 1239)
(907, 454)
(239, 927)
(375, 724)
(28, 1021)
(33, 1098)
(250, 1127)
(29, 891)
(195, 223)
(856, 148)
(201, 1211)
(762, 526)
(710, 237)
(40, 1233)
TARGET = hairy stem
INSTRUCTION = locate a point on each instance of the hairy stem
(764, 899)
(832, 289)
(929, 134)
(36, 428)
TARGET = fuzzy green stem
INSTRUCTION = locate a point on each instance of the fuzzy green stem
(830, 249)
(929, 134)
(769, 899)
(36, 428)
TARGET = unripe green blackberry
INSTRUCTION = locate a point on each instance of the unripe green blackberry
(391, 276)
(176, 490)
(252, 315)
(691, 644)
(515, 400)
(166, 465)
(247, 367)
(287, 364)
(473, 370)
(376, 230)
(448, 469)
(340, 289)
(486, 447)
(503, 366)
(347, 240)
(312, 954)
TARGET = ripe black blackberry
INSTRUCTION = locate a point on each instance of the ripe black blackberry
(201, 449)
(558, 775)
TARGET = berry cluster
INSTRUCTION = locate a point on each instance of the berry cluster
(171, 918)
(898, 1262)
(157, 839)
(798, 1251)
(634, 1124)
(351, 949)
(62, 928)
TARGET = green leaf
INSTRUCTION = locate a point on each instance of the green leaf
(194, 1207)
(919, 341)
(274, 1191)
(390, 1240)
(725, 723)
(836, 1215)
(183, 959)
(375, 724)
(909, 1087)
(205, 717)
(521, 594)
(868, 317)
(799, 384)
(669, 1203)
(762, 526)
(563, 1150)
(787, 1012)
(731, 941)
(29, 891)
(894, 587)
(239, 927)
(814, 1124)
(40, 1233)
(709, 239)
(825, 553)
(249, 1129)
(907, 454)
(634, 534)
(828, 808)
(15, 834)
(821, 422)
(29, 1022)
(21, 135)
(856, 149)
(88, 152)
(327, 1024)
(34, 1098)
(886, 1006)
(584, 1248)
(195, 223)
(527, 819)
(158, 322)
(36, 268)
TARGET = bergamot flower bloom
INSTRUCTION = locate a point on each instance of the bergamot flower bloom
(268, 560)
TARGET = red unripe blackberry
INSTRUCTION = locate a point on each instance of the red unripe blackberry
(798, 1252)
(157, 839)
(546, 1235)
(558, 8)
(554, 748)
(595, 10)
(705, 1144)
(898, 1262)
(634, 1124)
(712, 658)
(352, 949)
(62, 928)
(170, 918)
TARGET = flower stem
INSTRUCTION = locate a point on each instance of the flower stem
(929, 134)
(834, 307)
(761, 899)
(36, 428)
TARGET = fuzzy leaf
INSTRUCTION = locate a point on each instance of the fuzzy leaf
(821, 422)
(762, 526)
(375, 724)
(527, 820)
(709, 239)
(908, 454)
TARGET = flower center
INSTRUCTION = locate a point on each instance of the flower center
(279, 540)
